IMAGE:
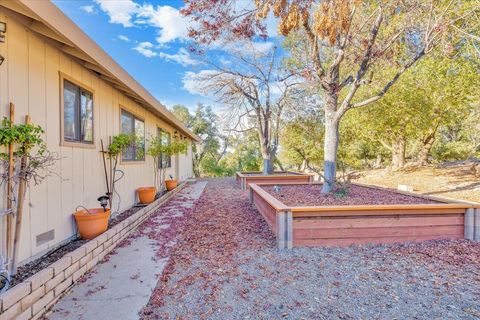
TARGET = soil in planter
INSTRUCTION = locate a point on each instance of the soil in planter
(42, 262)
(122, 216)
(36, 265)
(310, 195)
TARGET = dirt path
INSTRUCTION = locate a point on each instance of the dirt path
(225, 266)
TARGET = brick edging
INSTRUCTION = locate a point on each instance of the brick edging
(38, 293)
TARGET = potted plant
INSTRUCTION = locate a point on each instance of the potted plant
(91, 222)
(171, 184)
(158, 149)
(146, 194)
(117, 145)
(94, 221)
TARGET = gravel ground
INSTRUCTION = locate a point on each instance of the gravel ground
(225, 266)
(311, 195)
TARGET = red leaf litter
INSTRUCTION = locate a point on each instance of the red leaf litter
(223, 264)
(458, 253)
(311, 195)
(221, 223)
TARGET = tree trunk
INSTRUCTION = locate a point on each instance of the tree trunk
(378, 162)
(398, 153)
(22, 187)
(330, 149)
(267, 166)
(196, 169)
(427, 144)
(279, 164)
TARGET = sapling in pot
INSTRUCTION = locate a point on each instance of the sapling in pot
(118, 144)
(159, 150)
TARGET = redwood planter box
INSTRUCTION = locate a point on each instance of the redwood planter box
(244, 179)
(345, 225)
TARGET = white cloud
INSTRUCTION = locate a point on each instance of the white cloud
(192, 83)
(123, 38)
(150, 50)
(225, 61)
(119, 11)
(182, 57)
(88, 8)
(145, 48)
(170, 22)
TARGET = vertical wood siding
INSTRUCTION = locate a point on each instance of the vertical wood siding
(30, 78)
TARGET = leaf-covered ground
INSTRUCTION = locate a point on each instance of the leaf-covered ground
(454, 180)
(224, 265)
(311, 195)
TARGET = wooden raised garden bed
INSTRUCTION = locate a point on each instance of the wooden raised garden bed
(300, 215)
(244, 179)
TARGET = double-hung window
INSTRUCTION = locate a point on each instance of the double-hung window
(165, 138)
(77, 113)
(136, 127)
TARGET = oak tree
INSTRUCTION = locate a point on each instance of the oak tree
(345, 39)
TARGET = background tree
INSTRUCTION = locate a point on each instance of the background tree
(345, 40)
(202, 123)
(243, 154)
(439, 92)
(254, 89)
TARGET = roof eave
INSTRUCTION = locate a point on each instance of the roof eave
(52, 17)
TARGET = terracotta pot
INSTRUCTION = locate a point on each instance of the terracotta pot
(146, 194)
(171, 184)
(91, 223)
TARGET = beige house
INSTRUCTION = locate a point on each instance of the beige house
(55, 73)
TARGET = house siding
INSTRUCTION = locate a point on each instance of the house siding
(30, 78)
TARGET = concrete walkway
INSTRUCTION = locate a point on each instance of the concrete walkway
(121, 286)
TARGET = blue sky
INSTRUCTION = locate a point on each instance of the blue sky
(148, 38)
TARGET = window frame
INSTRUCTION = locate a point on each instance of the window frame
(139, 118)
(72, 143)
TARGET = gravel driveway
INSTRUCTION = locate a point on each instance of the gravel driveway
(225, 266)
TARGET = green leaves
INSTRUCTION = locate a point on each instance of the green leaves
(24, 136)
(157, 147)
(119, 143)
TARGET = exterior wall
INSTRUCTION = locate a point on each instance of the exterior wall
(185, 164)
(30, 78)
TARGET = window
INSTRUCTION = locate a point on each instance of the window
(165, 160)
(77, 113)
(136, 127)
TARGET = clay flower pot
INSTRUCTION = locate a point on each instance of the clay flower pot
(91, 222)
(171, 184)
(146, 194)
